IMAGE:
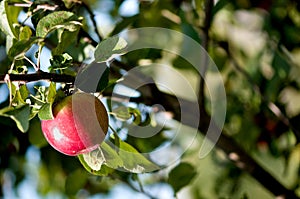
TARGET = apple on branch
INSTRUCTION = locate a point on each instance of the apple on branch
(79, 125)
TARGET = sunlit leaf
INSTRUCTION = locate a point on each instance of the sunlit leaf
(95, 159)
(9, 17)
(56, 20)
(134, 161)
(122, 113)
(125, 113)
(101, 170)
(112, 158)
(45, 113)
(126, 158)
(25, 33)
(60, 62)
(51, 92)
(102, 155)
(19, 94)
(110, 48)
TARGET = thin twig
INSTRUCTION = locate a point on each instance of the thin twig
(92, 15)
(18, 4)
(39, 57)
(36, 68)
(29, 4)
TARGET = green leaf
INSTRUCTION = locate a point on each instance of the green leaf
(75, 181)
(19, 114)
(95, 159)
(9, 17)
(104, 170)
(181, 176)
(121, 113)
(60, 62)
(9, 42)
(35, 134)
(219, 5)
(45, 113)
(112, 158)
(56, 20)
(93, 77)
(19, 48)
(25, 33)
(125, 113)
(103, 155)
(110, 48)
(104, 80)
(24, 92)
(51, 92)
(127, 158)
(123, 24)
(65, 39)
(189, 30)
(19, 95)
(134, 161)
(151, 143)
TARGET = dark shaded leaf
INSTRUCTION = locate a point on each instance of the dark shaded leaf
(19, 114)
(35, 134)
(219, 5)
(19, 48)
(181, 176)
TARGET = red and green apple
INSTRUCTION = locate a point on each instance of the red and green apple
(79, 125)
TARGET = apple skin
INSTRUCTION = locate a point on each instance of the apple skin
(80, 124)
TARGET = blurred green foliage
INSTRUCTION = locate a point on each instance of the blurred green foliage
(255, 44)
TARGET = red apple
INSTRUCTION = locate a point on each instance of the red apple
(80, 124)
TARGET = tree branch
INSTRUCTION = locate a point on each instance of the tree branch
(38, 76)
(205, 40)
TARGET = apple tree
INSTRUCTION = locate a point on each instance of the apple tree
(164, 99)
